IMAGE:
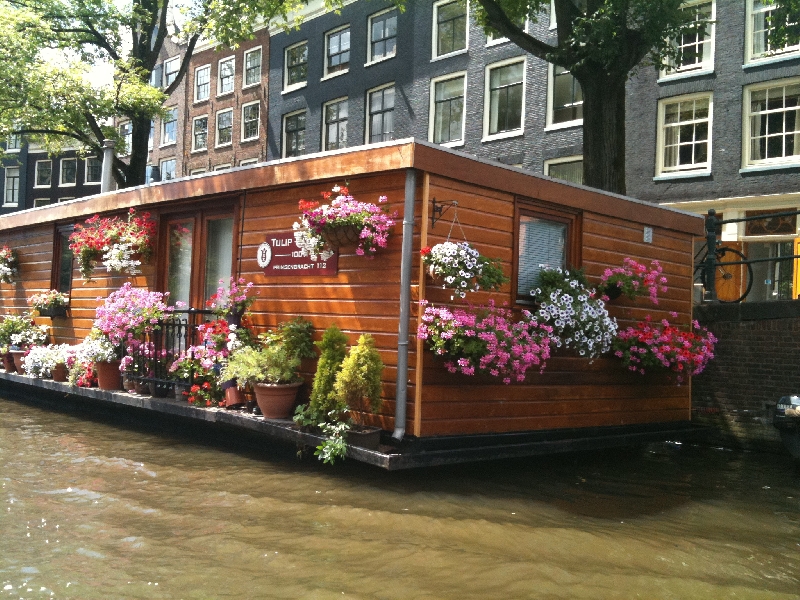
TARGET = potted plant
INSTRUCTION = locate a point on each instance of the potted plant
(51, 303)
(633, 279)
(9, 264)
(23, 334)
(41, 361)
(232, 300)
(462, 268)
(195, 366)
(99, 351)
(130, 310)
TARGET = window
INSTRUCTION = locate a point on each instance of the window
(758, 30)
(296, 66)
(42, 202)
(335, 130)
(447, 109)
(772, 279)
(251, 120)
(382, 35)
(294, 134)
(503, 98)
(169, 127)
(380, 114)
(449, 27)
(224, 127)
(495, 37)
(564, 99)
(69, 169)
(126, 133)
(11, 188)
(222, 167)
(167, 169)
(252, 67)
(199, 133)
(202, 83)
(94, 170)
(772, 123)
(337, 51)
(684, 134)
(569, 168)
(247, 161)
(197, 171)
(171, 68)
(44, 173)
(151, 134)
(227, 69)
(157, 76)
(14, 141)
(696, 49)
(61, 277)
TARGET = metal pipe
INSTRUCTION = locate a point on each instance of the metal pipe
(106, 178)
(406, 260)
(711, 256)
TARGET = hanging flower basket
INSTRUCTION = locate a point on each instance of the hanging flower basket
(346, 235)
(462, 268)
(9, 264)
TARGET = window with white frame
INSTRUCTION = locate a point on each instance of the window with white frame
(544, 239)
(13, 142)
(247, 161)
(94, 170)
(695, 50)
(294, 134)
(772, 123)
(684, 134)
(42, 202)
(224, 127)
(494, 37)
(295, 71)
(167, 168)
(126, 133)
(567, 168)
(447, 109)
(44, 173)
(252, 67)
(202, 83)
(171, 68)
(222, 167)
(69, 170)
(335, 130)
(197, 171)
(449, 27)
(564, 98)
(200, 133)
(382, 35)
(759, 15)
(503, 98)
(380, 114)
(337, 51)
(11, 187)
(66, 199)
(151, 134)
(251, 119)
(227, 70)
(169, 127)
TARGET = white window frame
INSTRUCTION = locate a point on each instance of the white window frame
(247, 161)
(331, 74)
(549, 124)
(749, 58)
(37, 202)
(493, 41)
(325, 124)
(435, 31)
(86, 171)
(748, 163)
(370, 59)
(432, 108)
(487, 99)
(697, 169)
(299, 84)
(367, 120)
(6, 201)
(175, 60)
(194, 119)
(164, 122)
(196, 71)
(283, 130)
(705, 67)
(255, 50)
(126, 136)
(161, 164)
(198, 171)
(227, 59)
(66, 199)
(61, 172)
(216, 128)
(16, 139)
(36, 175)
(258, 122)
(560, 161)
(222, 167)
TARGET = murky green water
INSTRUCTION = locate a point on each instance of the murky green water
(92, 510)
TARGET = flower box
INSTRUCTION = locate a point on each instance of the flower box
(53, 311)
(346, 235)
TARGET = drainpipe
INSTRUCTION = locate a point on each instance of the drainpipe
(401, 396)
(106, 180)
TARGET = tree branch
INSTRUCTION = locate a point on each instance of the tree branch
(497, 18)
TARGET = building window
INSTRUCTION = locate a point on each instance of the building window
(69, 169)
(222, 167)
(151, 134)
(335, 131)
(296, 66)
(94, 170)
(758, 30)
(200, 133)
(157, 76)
(224, 127)
(169, 127)
(247, 161)
(250, 120)
(37, 202)
(504, 95)
(684, 134)
(197, 171)
(383, 35)
(227, 69)
(447, 109)
(11, 188)
(202, 83)
(14, 141)
(167, 169)
(171, 68)
(294, 134)
(44, 173)
(337, 51)
(252, 67)
(564, 98)
(544, 239)
(449, 27)
(380, 114)
(696, 50)
(126, 133)
(772, 123)
(569, 168)
(61, 278)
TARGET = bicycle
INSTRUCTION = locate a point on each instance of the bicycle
(731, 286)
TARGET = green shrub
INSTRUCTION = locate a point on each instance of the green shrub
(333, 349)
(294, 335)
(360, 376)
(271, 364)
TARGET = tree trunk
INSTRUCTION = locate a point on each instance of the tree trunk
(603, 130)
(137, 165)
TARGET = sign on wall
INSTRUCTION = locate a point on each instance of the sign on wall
(279, 255)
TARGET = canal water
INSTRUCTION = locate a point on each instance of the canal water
(94, 509)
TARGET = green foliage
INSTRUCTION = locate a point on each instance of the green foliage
(551, 280)
(360, 376)
(13, 325)
(335, 444)
(333, 349)
(295, 335)
(270, 364)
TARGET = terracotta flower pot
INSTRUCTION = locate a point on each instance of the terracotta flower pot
(8, 363)
(234, 397)
(59, 373)
(19, 360)
(142, 387)
(276, 401)
(108, 376)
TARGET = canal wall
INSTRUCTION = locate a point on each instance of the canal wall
(757, 361)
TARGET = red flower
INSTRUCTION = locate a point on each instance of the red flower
(425, 250)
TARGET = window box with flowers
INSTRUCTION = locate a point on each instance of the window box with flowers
(462, 268)
(633, 279)
(51, 303)
(9, 264)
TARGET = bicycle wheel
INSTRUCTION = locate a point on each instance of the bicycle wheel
(733, 282)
